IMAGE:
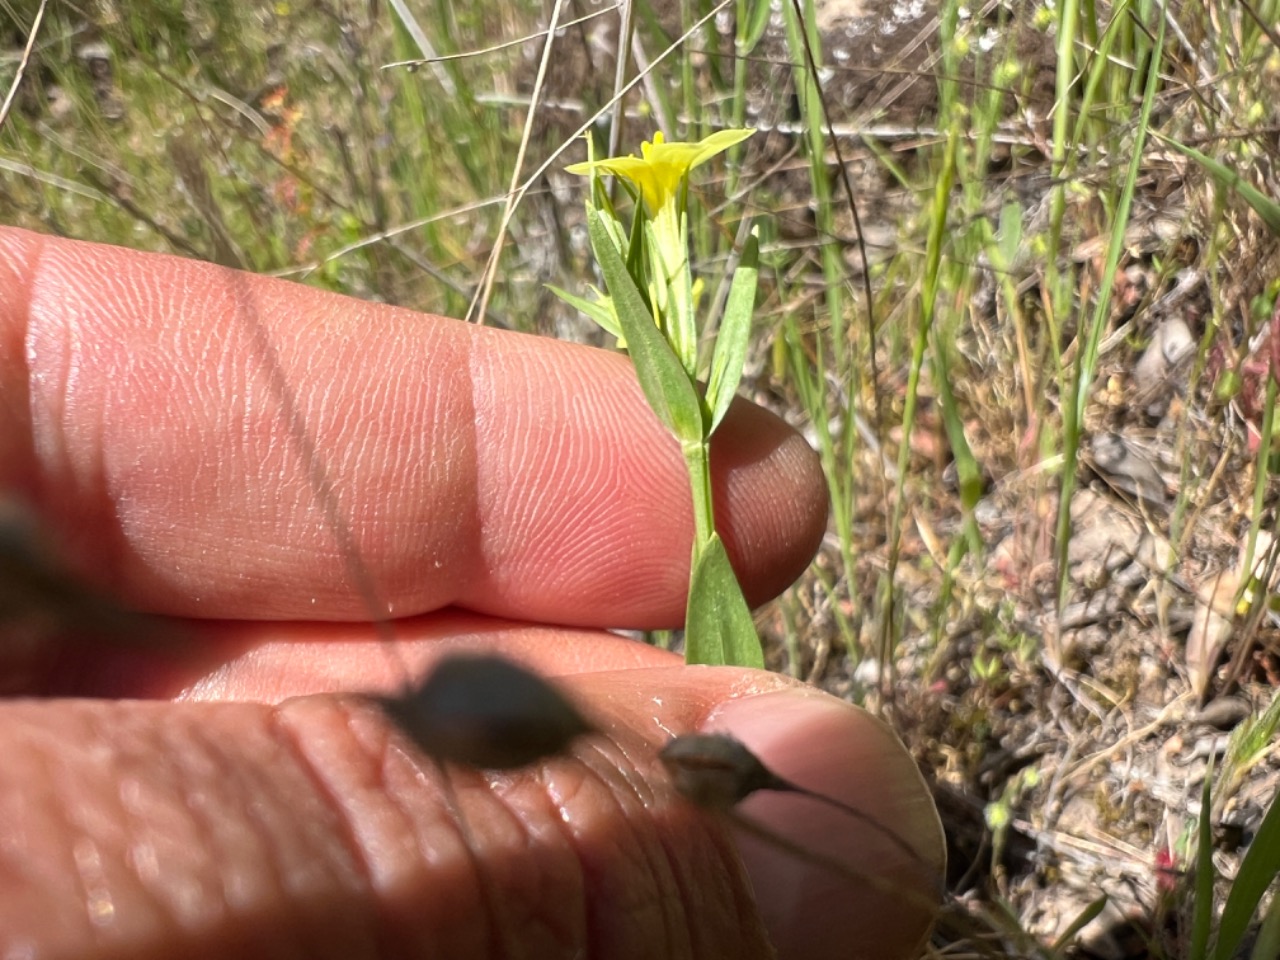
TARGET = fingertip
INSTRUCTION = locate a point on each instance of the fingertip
(883, 907)
(771, 499)
(601, 538)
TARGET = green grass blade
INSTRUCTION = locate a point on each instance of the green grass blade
(1086, 916)
(735, 333)
(967, 469)
(929, 292)
(1074, 408)
(1202, 908)
(1228, 179)
(1258, 869)
(1267, 946)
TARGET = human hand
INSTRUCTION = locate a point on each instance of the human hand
(505, 493)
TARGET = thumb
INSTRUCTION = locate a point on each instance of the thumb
(315, 828)
(871, 887)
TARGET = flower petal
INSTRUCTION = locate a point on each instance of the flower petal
(718, 142)
(662, 166)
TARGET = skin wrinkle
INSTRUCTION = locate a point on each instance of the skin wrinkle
(577, 529)
(287, 830)
(281, 832)
(55, 868)
(651, 851)
(476, 375)
(671, 886)
(57, 319)
(565, 886)
(48, 406)
(508, 867)
(497, 921)
(197, 765)
(201, 763)
(161, 889)
(493, 808)
(376, 787)
(157, 830)
(291, 404)
(646, 447)
(629, 906)
(493, 920)
(86, 822)
(687, 896)
(582, 517)
(253, 428)
(291, 881)
(533, 452)
(690, 899)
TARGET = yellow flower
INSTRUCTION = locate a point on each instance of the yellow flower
(662, 167)
(660, 176)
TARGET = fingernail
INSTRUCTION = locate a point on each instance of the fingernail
(880, 906)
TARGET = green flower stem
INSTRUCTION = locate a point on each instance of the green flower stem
(697, 460)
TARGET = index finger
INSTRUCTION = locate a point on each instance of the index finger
(145, 402)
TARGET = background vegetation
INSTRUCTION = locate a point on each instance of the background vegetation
(1038, 359)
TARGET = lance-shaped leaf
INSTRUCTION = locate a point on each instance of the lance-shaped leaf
(718, 625)
(735, 330)
(1225, 177)
(600, 310)
(663, 380)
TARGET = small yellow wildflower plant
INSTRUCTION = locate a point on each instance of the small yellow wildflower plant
(650, 307)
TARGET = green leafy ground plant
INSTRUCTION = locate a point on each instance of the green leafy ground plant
(651, 306)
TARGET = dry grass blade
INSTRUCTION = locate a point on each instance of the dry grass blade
(498, 47)
(22, 63)
(480, 305)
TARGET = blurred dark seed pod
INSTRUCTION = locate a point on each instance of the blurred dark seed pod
(486, 712)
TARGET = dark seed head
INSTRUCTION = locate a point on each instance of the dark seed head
(486, 712)
(715, 771)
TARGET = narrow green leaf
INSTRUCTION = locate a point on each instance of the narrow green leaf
(1086, 363)
(718, 625)
(600, 196)
(1202, 907)
(1258, 869)
(682, 294)
(617, 234)
(601, 310)
(966, 463)
(756, 27)
(636, 248)
(1267, 945)
(967, 469)
(1227, 178)
(1082, 920)
(663, 380)
(735, 331)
